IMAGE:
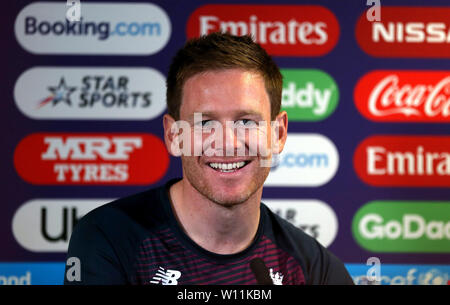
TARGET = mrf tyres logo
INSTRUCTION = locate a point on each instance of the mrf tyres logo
(58, 158)
(90, 93)
(308, 95)
(409, 161)
(102, 28)
(404, 96)
(406, 32)
(403, 226)
(283, 30)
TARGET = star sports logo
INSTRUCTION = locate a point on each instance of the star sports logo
(90, 93)
(60, 93)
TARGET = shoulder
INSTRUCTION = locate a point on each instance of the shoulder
(319, 264)
(106, 239)
(120, 225)
(142, 210)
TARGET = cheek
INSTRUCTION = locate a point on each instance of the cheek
(188, 143)
(259, 142)
(190, 165)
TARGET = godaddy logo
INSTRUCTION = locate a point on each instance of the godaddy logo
(401, 226)
(308, 95)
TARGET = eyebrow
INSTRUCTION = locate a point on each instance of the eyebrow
(239, 113)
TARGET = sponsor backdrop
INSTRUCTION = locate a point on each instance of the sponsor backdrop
(366, 167)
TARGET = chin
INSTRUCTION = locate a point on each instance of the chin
(227, 200)
(229, 189)
(223, 196)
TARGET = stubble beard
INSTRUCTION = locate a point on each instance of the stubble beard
(194, 176)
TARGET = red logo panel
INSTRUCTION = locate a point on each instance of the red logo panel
(73, 158)
(406, 32)
(404, 161)
(404, 96)
(283, 30)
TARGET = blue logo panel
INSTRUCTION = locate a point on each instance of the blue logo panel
(32, 273)
(392, 274)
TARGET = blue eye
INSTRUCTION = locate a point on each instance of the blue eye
(245, 123)
(209, 124)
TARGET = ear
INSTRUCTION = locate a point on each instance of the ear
(280, 132)
(170, 137)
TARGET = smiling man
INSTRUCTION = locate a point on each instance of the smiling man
(209, 227)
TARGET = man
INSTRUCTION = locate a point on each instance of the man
(210, 227)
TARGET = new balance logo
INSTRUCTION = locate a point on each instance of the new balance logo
(168, 277)
(277, 278)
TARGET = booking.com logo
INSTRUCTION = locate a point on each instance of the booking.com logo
(103, 30)
(92, 28)
(301, 160)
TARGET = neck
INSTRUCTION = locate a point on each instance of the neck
(214, 227)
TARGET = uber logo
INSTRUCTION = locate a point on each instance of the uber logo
(45, 225)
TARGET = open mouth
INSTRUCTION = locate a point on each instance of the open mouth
(228, 167)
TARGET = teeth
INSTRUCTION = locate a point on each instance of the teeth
(227, 166)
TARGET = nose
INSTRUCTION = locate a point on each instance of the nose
(234, 140)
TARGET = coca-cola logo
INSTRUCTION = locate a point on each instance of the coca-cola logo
(404, 161)
(404, 96)
(406, 32)
(72, 158)
(283, 30)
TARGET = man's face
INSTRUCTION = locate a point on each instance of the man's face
(235, 96)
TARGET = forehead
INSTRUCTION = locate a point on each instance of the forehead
(232, 90)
